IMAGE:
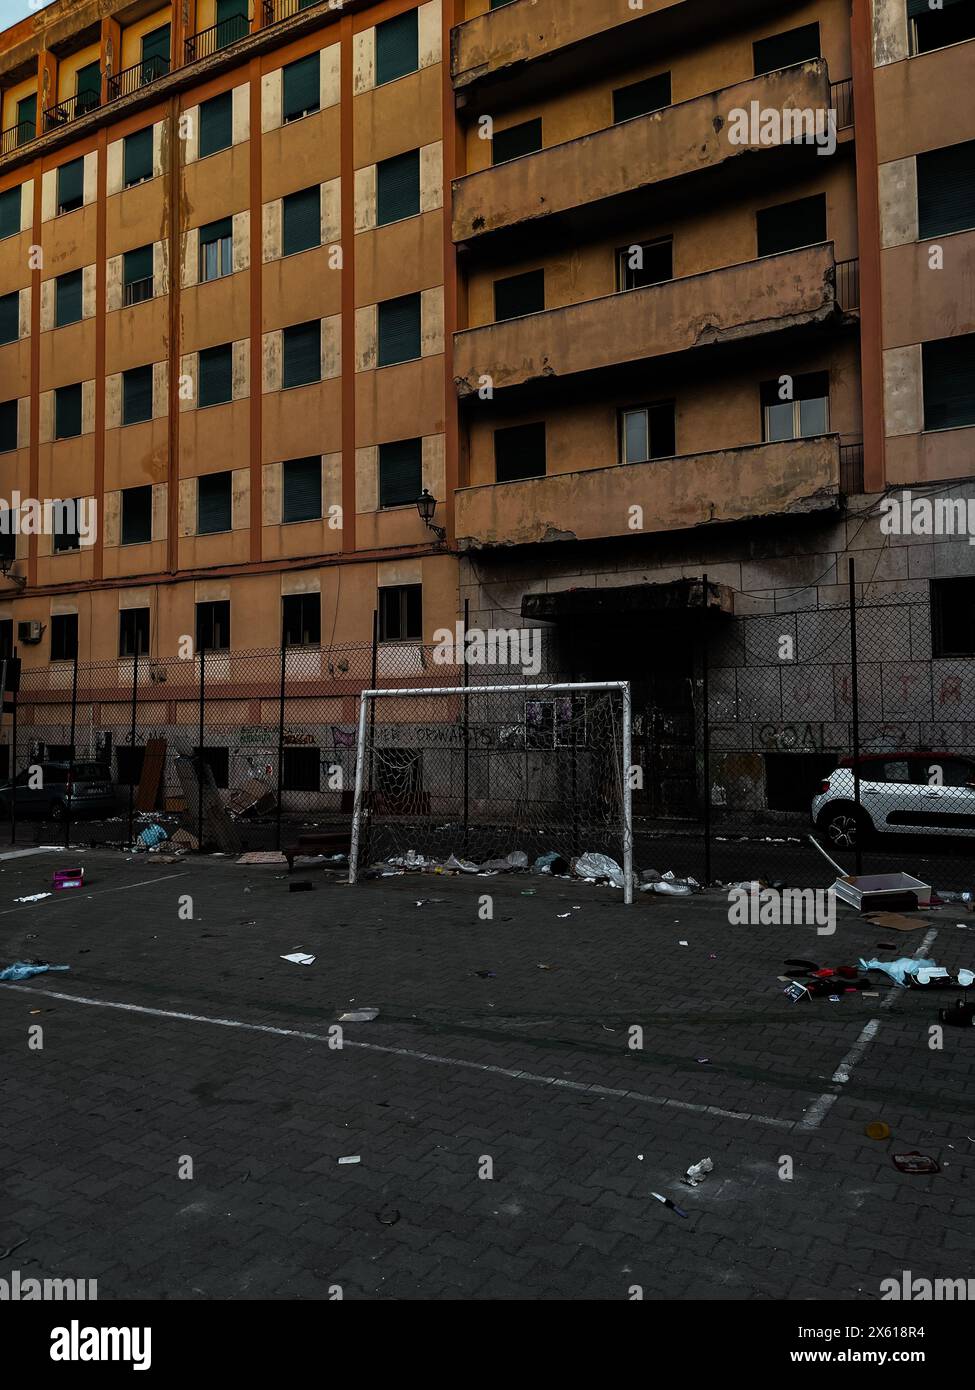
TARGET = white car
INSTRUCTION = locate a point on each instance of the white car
(900, 793)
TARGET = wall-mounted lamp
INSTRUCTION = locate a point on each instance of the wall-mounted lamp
(426, 505)
(7, 573)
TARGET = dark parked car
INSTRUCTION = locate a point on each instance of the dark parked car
(89, 784)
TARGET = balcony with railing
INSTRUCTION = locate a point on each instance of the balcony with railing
(276, 10)
(209, 41)
(16, 135)
(133, 79)
(70, 110)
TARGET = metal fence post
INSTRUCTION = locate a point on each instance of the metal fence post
(467, 730)
(71, 759)
(13, 762)
(199, 751)
(277, 831)
(855, 697)
(135, 698)
(706, 731)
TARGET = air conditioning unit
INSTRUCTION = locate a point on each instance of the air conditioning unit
(30, 633)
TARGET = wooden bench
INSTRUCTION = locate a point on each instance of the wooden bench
(338, 841)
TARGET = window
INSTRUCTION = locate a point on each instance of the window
(937, 28)
(791, 225)
(949, 382)
(137, 157)
(10, 317)
(137, 515)
(213, 626)
(519, 452)
(136, 395)
(67, 411)
(88, 88)
(397, 47)
(68, 298)
(301, 354)
(648, 432)
(8, 426)
(232, 24)
(155, 53)
(645, 263)
(64, 516)
(301, 489)
(946, 190)
(6, 637)
(64, 636)
(640, 98)
(10, 212)
(217, 249)
(137, 275)
(218, 761)
(399, 330)
(803, 416)
(214, 508)
(302, 221)
(784, 50)
(71, 186)
(301, 622)
(516, 141)
(401, 613)
(133, 631)
(300, 770)
(216, 124)
(216, 375)
(300, 88)
(400, 472)
(8, 537)
(519, 294)
(398, 188)
(26, 118)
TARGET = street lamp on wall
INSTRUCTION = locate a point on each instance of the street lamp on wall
(426, 505)
(7, 573)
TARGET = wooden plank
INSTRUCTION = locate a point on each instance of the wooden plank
(147, 796)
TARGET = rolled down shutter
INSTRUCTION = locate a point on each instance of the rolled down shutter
(136, 395)
(155, 52)
(137, 156)
(71, 184)
(89, 87)
(516, 141)
(8, 426)
(232, 21)
(946, 190)
(923, 7)
(301, 87)
(137, 265)
(27, 119)
(302, 221)
(399, 330)
(216, 375)
(10, 212)
(302, 490)
(397, 47)
(68, 298)
(216, 124)
(213, 507)
(67, 411)
(10, 317)
(949, 383)
(400, 472)
(784, 50)
(398, 187)
(302, 354)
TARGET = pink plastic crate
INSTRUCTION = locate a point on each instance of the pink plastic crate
(67, 878)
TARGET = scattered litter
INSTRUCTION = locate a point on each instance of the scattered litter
(895, 921)
(388, 1216)
(256, 856)
(300, 958)
(915, 1163)
(22, 970)
(598, 866)
(683, 943)
(697, 1172)
(67, 878)
(898, 970)
(548, 967)
(185, 839)
(796, 991)
(649, 876)
(303, 885)
(351, 1158)
(703, 1061)
(550, 863)
(528, 892)
(152, 835)
(484, 974)
(32, 898)
(359, 1016)
(518, 859)
(461, 866)
(562, 915)
(672, 888)
(668, 1203)
(876, 1129)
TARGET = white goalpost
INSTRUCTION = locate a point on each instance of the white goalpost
(480, 770)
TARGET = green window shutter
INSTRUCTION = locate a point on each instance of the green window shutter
(517, 140)
(136, 395)
(302, 218)
(67, 411)
(916, 8)
(791, 225)
(71, 185)
(155, 50)
(301, 87)
(89, 87)
(400, 472)
(216, 375)
(26, 118)
(10, 212)
(397, 47)
(399, 330)
(10, 317)
(519, 452)
(949, 382)
(302, 499)
(8, 426)
(136, 515)
(784, 50)
(213, 506)
(640, 98)
(137, 157)
(302, 354)
(519, 294)
(232, 21)
(398, 187)
(216, 124)
(68, 298)
(946, 190)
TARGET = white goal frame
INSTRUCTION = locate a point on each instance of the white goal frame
(567, 687)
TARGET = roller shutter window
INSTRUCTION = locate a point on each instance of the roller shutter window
(398, 188)
(785, 50)
(137, 157)
(71, 186)
(137, 515)
(949, 383)
(10, 317)
(67, 411)
(516, 141)
(302, 221)
(946, 190)
(790, 226)
(400, 472)
(519, 452)
(68, 290)
(397, 47)
(216, 375)
(216, 124)
(8, 426)
(399, 330)
(640, 98)
(302, 489)
(10, 212)
(518, 295)
(937, 28)
(137, 276)
(136, 395)
(213, 503)
(301, 85)
(156, 53)
(232, 21)
(301, 354)
(26, 119)
(88, 88)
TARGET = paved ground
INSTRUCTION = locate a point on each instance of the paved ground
(525, 1074)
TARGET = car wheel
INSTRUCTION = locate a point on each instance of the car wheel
(843, 827)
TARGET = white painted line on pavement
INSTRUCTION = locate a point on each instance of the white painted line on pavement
(510, 1072)
(121, 888)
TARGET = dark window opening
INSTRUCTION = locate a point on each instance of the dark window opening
(68, 298)
(645, 263)
(648, 432)
(516, 141)
(137, 275)
(301, 221)
(301, 770)
(791, 225)
(214, 505)
(10, 201)
(64, 636)
(136, 395)
(128, 765)
(216, 124)
(213, 626)
(137, 515)
(8, 427)
(71, 186)
(137, 157)
(517, 295)
(931, 29)
(641, 98)
(795, 407)
(953, 616)
(519, 452)
(133, 631)
(67, 411)
(401, 613)
(301, 354)
(64, 517)
(216, 372)
(301, 86)
(10, 317)
(217, 249)
(301, 616)
(785, 50)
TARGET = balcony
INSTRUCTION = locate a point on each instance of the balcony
(727, 306)
(70, 110)
(133, 79)
(16, 135)
(206, 42)
(794, 477)
(629, 158)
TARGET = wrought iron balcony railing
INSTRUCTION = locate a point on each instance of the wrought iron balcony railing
(129, 80)
(209, 41)
(70, 109)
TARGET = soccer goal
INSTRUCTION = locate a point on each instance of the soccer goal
(482, 771)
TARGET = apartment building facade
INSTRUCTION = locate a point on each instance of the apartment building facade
(640, 294)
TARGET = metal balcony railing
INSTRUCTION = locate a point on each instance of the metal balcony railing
(851, 464)
(275, 10)
(136, 291)
(841, 100)
(16, 135)
(209, 41)
(70, 109)
(848, 285)
(129, 80)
